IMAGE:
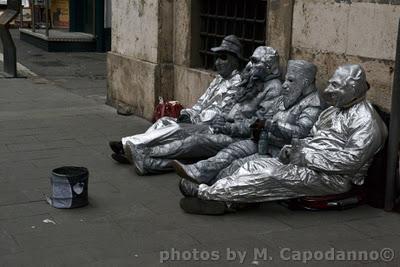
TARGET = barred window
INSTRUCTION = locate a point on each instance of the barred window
(218, 18)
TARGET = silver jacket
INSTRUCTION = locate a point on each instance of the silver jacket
(203, 144)
(263, 106)
(296, 121)
(337, 155)
(247, 109)
(217, 100)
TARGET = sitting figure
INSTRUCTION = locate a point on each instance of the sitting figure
(342, 145)
(261, 84)
(218, 99)
(293, 116)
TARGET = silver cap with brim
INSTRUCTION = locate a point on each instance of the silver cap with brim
(230, 44)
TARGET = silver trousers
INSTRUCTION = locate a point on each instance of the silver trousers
(196, 147)
(267, 179)
(227, 161)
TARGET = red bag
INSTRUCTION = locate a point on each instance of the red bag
(167, 109)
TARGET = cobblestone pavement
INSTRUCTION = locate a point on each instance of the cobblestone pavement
(136, 221)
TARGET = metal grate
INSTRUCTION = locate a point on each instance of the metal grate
(219, 18)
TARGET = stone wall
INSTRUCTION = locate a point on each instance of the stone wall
(189, 83)
(153, 46)
(151, 55)
(140, 62)
(332, 33)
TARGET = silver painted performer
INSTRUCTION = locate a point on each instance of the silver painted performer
(261, 85)
(342, 145)
(293, 117)
(218, 99)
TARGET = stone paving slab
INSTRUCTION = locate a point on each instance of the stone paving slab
(84, 74)
(132, 219)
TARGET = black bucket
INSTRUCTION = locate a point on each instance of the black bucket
(70, 187)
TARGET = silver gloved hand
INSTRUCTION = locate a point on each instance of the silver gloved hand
(292, 153)
(218, 122)
(284, 154)
(222, 129)
(270, 125)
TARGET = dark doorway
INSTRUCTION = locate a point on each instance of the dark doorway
(88, 16)
(82, 16)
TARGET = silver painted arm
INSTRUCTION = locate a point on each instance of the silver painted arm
(198, 107)
(242, 128)
(301, 129)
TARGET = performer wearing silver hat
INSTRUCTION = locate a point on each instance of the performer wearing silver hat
(218, 99)
(261, 85)
(342, 145)
(294, 115)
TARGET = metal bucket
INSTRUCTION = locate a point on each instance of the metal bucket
(70, 187)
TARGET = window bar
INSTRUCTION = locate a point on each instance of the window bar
(264, 33)
(252, 34)
(216, 20)
(235, 23)
(247, 40)
(233, 18)
(244, 17)
(254, 24)
(212, 56)
(226, 17)
(206, 37)
(244, 23)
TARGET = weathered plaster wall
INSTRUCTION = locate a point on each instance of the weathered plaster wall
(332, 33)
(182, 32)
(151, 55)
(135, 29)
(279, 28)
(189, 83)
(126, 75)
(140, 65)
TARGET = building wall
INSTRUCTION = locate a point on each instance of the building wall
(140, 62)
(151, 55)
(189, 83)
(152, 39)
(332, 33)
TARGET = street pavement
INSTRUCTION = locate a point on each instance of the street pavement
(136, 220)
(80, 73)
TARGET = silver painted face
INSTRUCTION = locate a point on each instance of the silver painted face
(292, 88)
(225, 64)
(347, 86)
(261, 63)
